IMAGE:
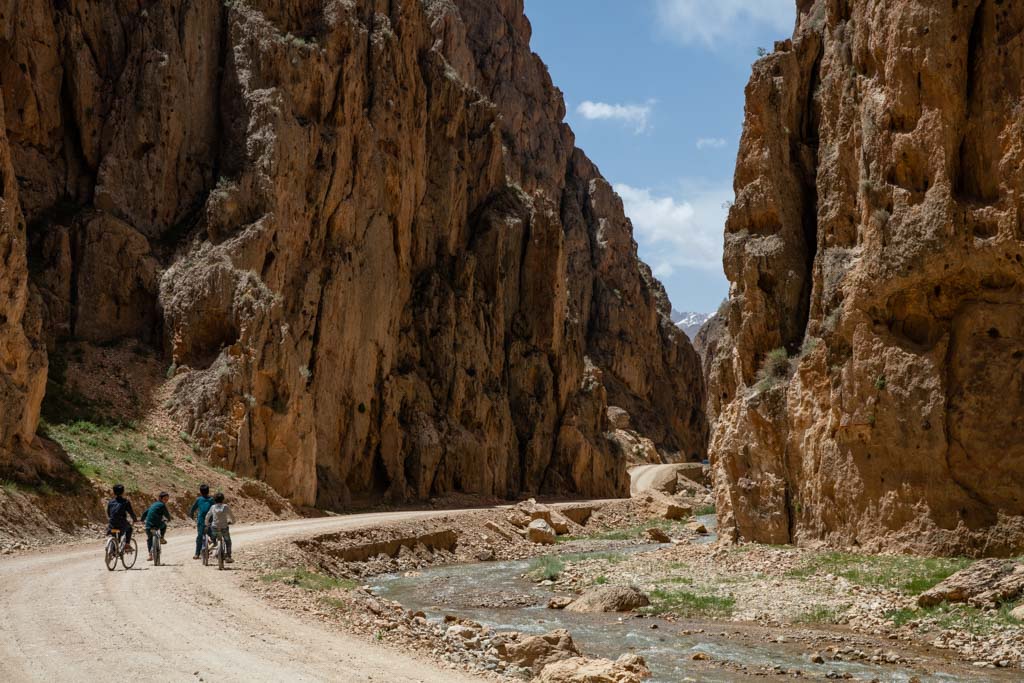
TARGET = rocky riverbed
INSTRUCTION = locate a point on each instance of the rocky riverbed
(474, 592)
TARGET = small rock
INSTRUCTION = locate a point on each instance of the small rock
(700, 656)
(559, 602)
(658, 536)
(540, 531)
(696, 527)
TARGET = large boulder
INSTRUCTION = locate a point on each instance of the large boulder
(540, 531)
(559, 522)
(537, 651)
(666, 507)
(627, 669)
(609, 599)
(580, 514)
(986, 583)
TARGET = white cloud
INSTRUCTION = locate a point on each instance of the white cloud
(713, 21)
(715, 143)
(678, 232)
(636, 114)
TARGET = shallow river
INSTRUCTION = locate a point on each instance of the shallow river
(496, 595)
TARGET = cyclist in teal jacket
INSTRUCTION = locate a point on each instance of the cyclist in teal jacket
(198, 512)
(156, 516)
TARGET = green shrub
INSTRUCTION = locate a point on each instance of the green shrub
(546, 568)
(308, 580)
(776, 363)
(689, 604)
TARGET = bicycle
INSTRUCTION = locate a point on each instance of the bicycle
(155, 551)
(117, 548)
(214, 544)
(205, 552)
(222, 549)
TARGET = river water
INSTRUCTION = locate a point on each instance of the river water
(496, 595)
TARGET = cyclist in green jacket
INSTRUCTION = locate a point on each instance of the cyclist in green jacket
(156, 516)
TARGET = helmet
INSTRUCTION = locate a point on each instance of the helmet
(118, 489)
(219, 498)
(164, 494)
(204, 489)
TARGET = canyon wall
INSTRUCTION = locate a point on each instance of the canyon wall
(868, 387)
(359, 231)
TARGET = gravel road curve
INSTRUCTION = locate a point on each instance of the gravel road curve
(63, 616)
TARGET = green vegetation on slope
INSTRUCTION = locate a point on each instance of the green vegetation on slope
(910, 575)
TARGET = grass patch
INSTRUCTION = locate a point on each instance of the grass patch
(113, 451)
(630, 533)
(957, 616)
(611, 558)
(705, 510)
(225, 472)
(546, 568)
(307, 580)
(685, 580)
(688, 604)
(601, 580)
(820, 614)
(909, 575)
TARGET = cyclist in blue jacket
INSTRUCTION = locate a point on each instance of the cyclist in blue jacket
(198, 512)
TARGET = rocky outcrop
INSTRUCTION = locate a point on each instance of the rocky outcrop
(377, 264)
(986, 584)
(22, 358)
(535, 652)
(867, 387)
(626, 669)
(609, 599)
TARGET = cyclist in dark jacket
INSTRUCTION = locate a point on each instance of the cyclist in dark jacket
(119, 509)
(198, 512)
(156, 516)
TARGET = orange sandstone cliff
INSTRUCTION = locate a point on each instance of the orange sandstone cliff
(359, 230)
(868, 387)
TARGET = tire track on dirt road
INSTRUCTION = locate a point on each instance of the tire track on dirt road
(65, 616)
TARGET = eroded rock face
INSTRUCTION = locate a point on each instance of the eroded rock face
(22, 357)
(360, 231)
(876, 238)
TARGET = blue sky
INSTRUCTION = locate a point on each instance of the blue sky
(654, 93)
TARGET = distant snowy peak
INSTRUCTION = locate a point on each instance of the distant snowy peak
(690, 322)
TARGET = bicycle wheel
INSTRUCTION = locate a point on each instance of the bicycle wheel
(110, 554)
(221, 553)
(129, 555)
(156, 549)
(206, 551)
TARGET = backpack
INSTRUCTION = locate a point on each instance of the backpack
(117, 510)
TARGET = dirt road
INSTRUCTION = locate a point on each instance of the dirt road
(63, 616)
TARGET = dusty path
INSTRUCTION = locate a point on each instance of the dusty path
(63, 616)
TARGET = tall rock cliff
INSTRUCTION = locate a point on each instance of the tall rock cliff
(871, 387)
(358, 229)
